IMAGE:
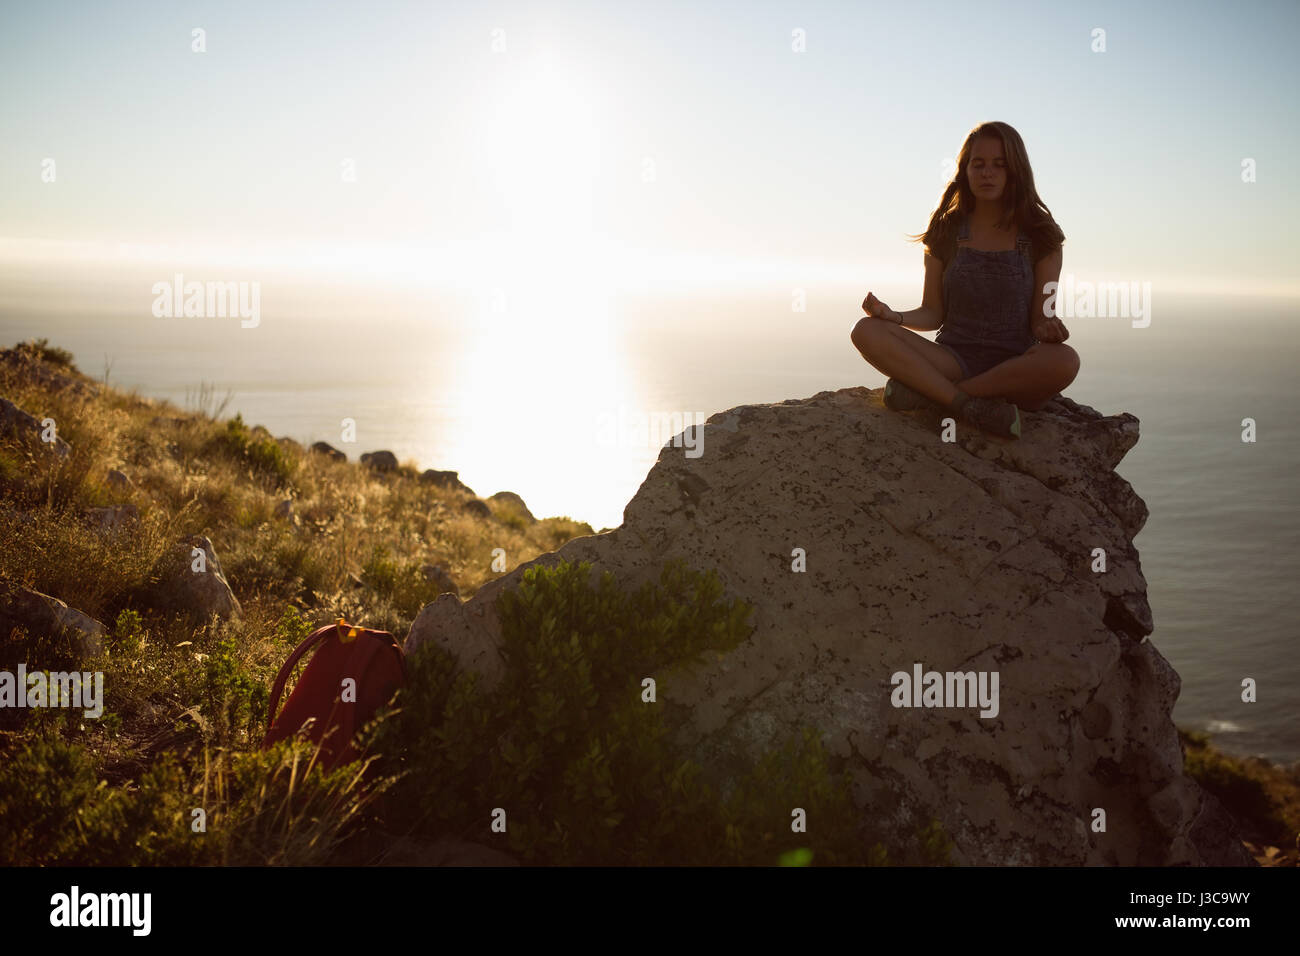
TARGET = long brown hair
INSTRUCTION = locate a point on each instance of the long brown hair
(1020, 203)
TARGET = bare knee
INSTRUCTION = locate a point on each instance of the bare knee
(1061, 363)
(861, 334)
(1067, 363)
(867, 331)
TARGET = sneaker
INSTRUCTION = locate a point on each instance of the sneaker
(994, 415)
(904, 398)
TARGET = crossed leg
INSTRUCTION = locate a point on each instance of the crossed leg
(912, 359)
(1028, 380)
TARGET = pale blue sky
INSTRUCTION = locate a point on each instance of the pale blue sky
(792, 164)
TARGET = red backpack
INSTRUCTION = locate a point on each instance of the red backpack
(373, 660)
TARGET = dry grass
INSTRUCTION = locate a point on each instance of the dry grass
(353, 547)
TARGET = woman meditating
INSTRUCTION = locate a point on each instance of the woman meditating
(991, 248)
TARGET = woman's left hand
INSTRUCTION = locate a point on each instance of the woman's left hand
(1050, 330)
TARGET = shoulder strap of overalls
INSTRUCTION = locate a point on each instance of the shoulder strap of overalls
(1026, 247)
(1023, 242)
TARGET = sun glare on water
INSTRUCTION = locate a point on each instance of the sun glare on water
(543, 362)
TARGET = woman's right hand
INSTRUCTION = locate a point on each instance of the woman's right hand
(877, 309)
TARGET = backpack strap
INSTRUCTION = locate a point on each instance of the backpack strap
(280, 679)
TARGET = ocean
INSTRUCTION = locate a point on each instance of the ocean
(545, 400)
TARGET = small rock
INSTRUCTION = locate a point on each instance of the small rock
(477, 507)
(446, 479)
(329, 451)
(513, 500)
(289, 445)
(15, 421)
(380, 460)
(120, 481)
(285, 509)
(437, 575)
(41, 614)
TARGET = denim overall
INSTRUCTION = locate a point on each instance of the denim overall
(987, 297)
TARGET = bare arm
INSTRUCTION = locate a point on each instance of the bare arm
(1043, 324)
(929, 316)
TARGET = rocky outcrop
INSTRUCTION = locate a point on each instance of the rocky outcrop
(870, 547)
(43, 616)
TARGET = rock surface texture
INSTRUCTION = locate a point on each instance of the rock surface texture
(186, 589)
(979, 555)
(43, 616)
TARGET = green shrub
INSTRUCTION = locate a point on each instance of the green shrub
(261, 453)
(43, 350)
(234, 700)
(292, 628)
(1254, 793)
(54, 810)
(403, 585)
(584, 769)
(128, 632)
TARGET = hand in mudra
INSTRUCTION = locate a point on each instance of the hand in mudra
(877, 309)
(1050, 329)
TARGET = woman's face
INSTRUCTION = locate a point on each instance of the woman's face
(986, 170)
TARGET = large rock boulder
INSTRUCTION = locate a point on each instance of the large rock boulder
(978, 556)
